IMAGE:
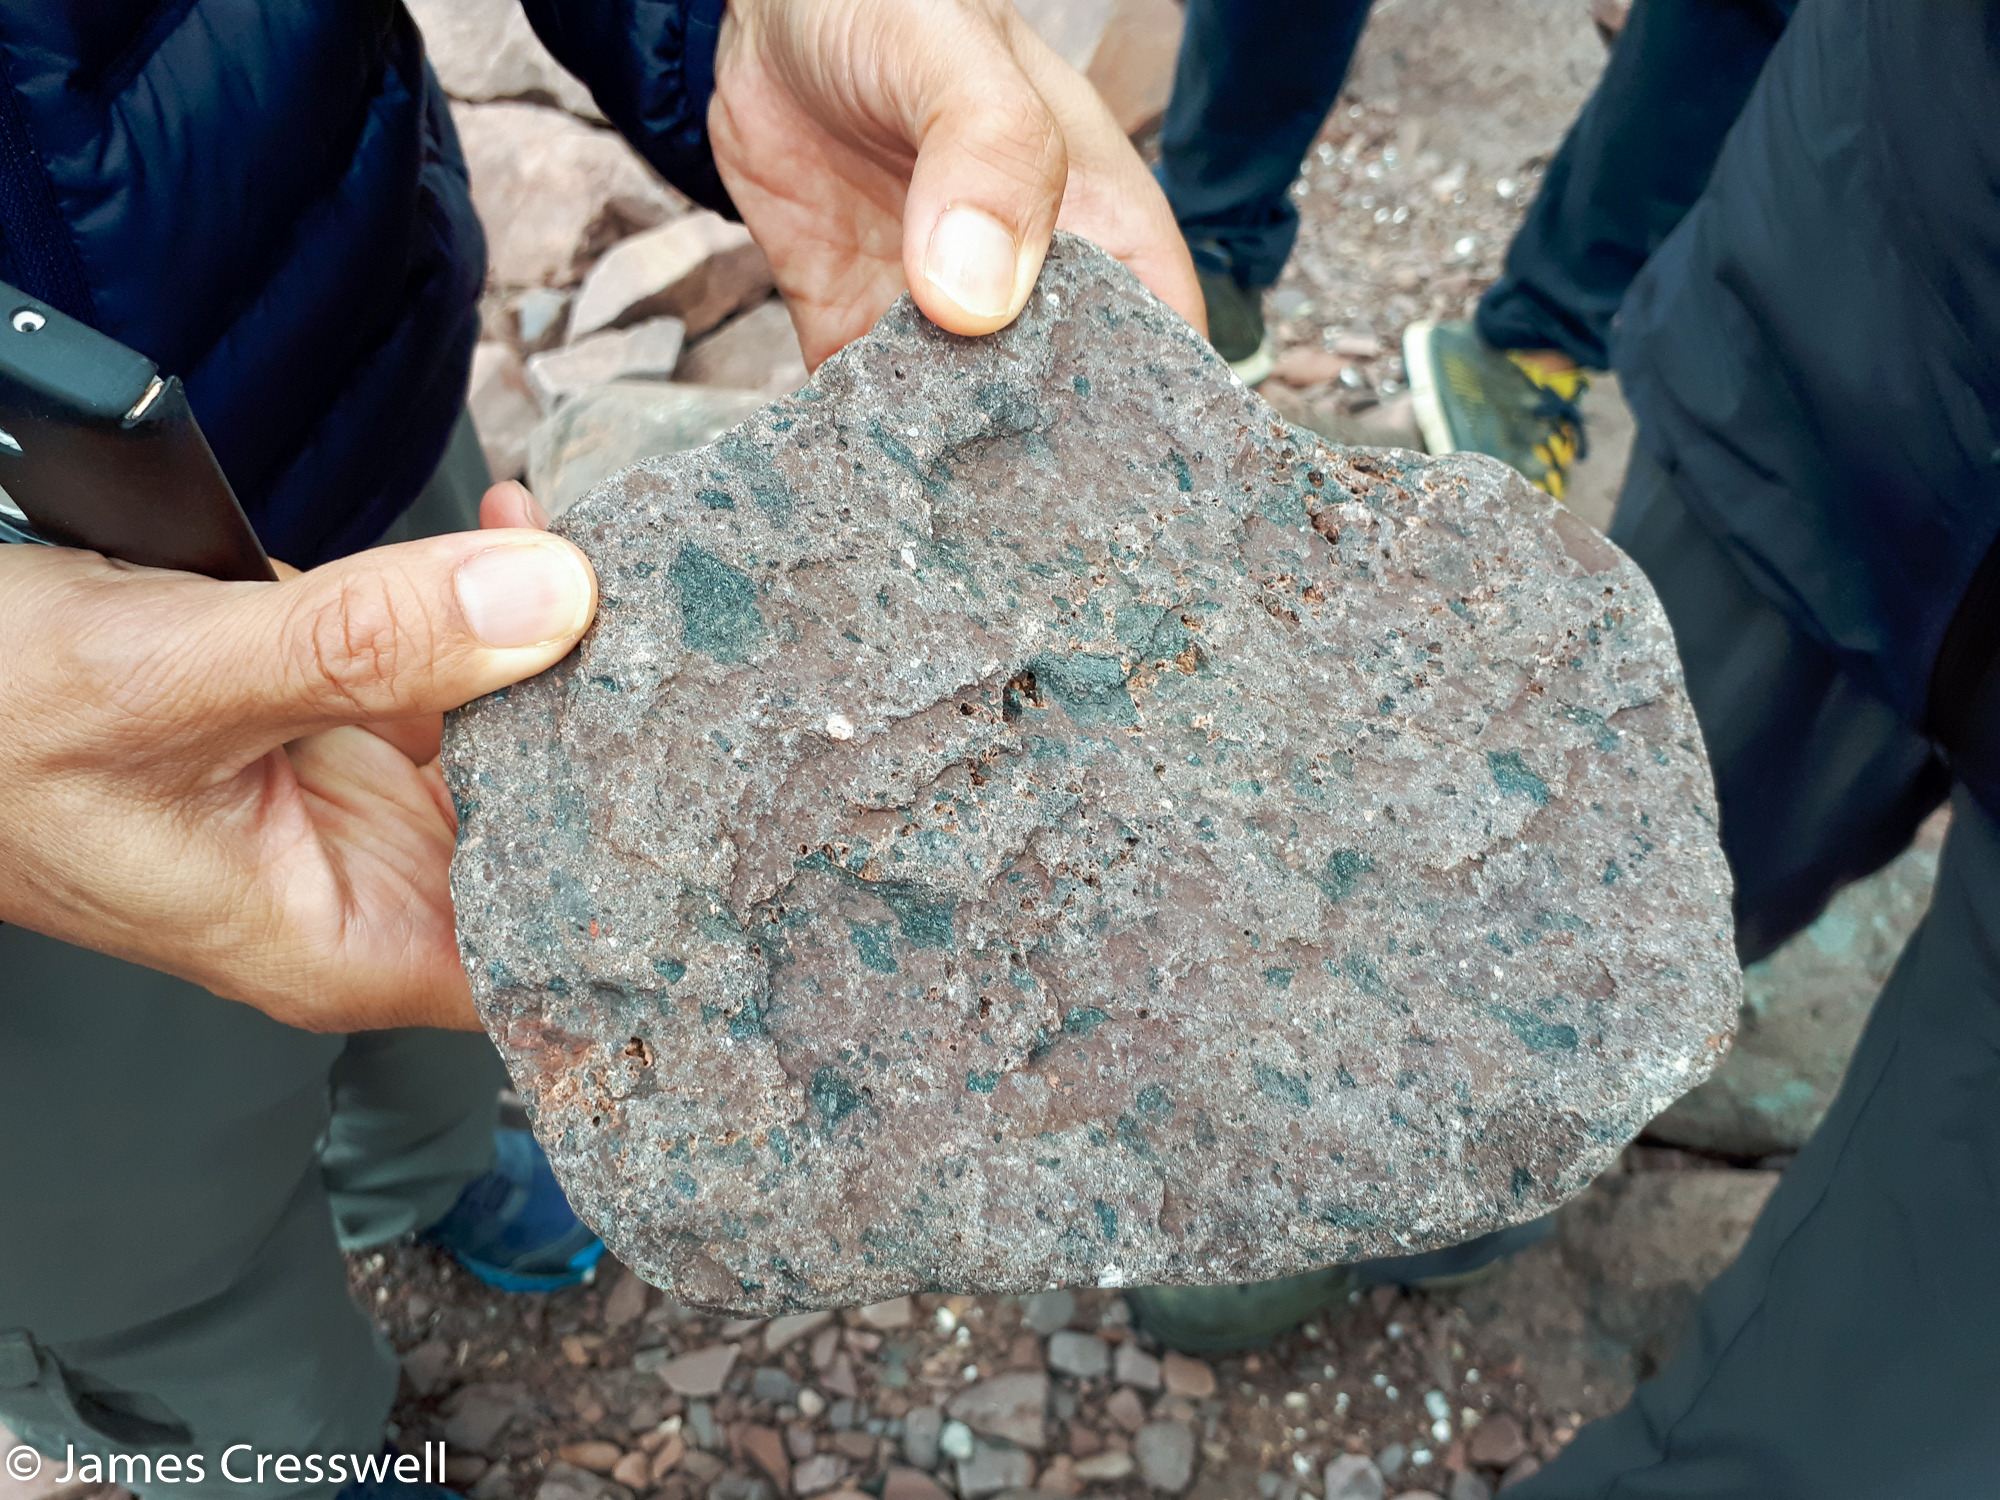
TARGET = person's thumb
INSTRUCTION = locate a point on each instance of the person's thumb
(394, 632)
(988, 183)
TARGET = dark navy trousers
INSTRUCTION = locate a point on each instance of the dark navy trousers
(1255, 81)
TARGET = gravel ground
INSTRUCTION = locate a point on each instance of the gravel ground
(535, 1392)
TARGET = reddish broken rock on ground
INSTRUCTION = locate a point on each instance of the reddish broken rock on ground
(1024, 815)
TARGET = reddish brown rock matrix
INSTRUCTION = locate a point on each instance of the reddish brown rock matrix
(1025, 815)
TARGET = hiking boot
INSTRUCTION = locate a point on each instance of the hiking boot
(513, 1228)
(1218, 1319)
(1472, 398)
(1236, 325)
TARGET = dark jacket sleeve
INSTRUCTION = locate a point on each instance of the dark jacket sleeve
(651, 66)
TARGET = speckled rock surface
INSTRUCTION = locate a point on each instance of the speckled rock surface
(1027, 816)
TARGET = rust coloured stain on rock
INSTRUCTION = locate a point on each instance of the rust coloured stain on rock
(1027, 816)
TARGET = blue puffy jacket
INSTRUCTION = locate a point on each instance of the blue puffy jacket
(266, 198)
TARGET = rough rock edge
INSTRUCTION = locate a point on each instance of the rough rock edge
(1383, 483)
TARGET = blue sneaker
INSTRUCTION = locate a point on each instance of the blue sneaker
(513, 1228)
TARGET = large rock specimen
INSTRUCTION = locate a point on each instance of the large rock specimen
(1025, 815)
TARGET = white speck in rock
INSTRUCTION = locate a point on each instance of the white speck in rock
(839, 727)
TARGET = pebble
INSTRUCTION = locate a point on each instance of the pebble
(428, 1366)
(782, 1331)
(1084, 1355)
(1108, 1466)
(897, 1312)
(908, 1484)
(1010, 1406)
(1164, 1452)
(839, 1377)
(625, 1303)
(1307, 366)
(991, 1469)
(1133, 1366)
(1352, 1477)
(955, 1440)
(1466, 1485)
(921, 1431)
(635, 1471)
(646, 350)
(699, 268)
(1125, 1409)
(810, 1403)
(771, 1384)
(564, 1481)
(758, 351)
(538, 315)
(820, 1472)
(1187, 1376)
(700, 1373)
(1391, 1460)
(1045, 1312)
(598, 1457)
(463, 1470)
(765, 1447)
(479, 1413)
(669, 1456)
(1497, 1441)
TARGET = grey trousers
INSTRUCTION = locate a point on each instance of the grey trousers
(179, 1176)
(1853, 1349)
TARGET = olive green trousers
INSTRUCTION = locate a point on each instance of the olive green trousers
(179, 1176)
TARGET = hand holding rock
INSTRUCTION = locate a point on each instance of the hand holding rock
(935, 145)
(236, 782)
